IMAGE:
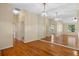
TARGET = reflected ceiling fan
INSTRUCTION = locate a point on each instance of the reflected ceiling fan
(56, 18)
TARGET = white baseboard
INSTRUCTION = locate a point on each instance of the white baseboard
(60, 45)
(29, 41)
(6, 47)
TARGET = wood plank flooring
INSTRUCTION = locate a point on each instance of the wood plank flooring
(0, 53)
(38, 48)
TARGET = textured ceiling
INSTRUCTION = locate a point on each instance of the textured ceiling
(66, 11)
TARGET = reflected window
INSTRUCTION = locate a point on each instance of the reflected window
(71, 28)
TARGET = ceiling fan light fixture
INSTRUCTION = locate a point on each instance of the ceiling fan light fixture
(44, 14)
(56, 18)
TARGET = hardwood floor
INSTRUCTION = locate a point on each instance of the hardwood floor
(0, 53)
(38, 48)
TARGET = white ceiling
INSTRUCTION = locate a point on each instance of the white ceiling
(66, 11)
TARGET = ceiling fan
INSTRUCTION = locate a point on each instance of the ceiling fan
(44, 12)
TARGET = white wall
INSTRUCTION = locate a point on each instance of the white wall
(6, 39)
(20, 26)
(30, 27)
(35, 26)
(41, 27)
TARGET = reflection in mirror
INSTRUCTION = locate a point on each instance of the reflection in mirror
(71, 28)
(64, 34)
